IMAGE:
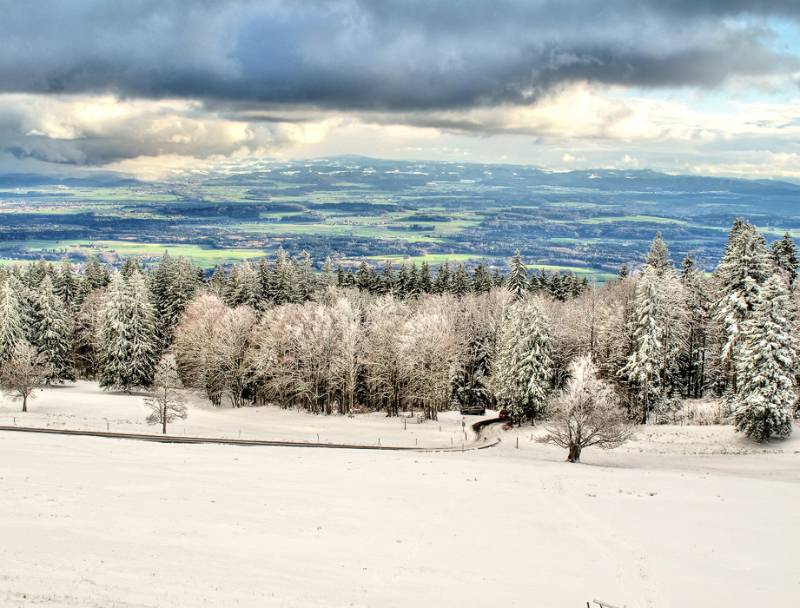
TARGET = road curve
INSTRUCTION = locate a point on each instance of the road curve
(479, 443)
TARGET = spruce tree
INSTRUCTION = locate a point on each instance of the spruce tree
(11, 318)
(643, 364)
(442, 282)
(658, 256)
(784, 257)
(128, 344)
(65, 285)
(765, 362)
(52, 333)
(425, 280)
(523, 368)
(481, 280)
(460, 283)
(517, 280)
(740, 274)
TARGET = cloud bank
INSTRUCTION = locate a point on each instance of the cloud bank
(94, 82)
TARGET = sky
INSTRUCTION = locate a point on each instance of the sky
(156, 88)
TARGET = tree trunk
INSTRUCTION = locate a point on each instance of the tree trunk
(574, 453)
(164, 426)
(24, 403)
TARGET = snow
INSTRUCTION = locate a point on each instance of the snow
(84, 406)
(665, 521)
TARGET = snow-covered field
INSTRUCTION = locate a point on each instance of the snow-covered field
(84, 406)
(666, 521)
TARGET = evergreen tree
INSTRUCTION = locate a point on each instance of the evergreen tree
(11, 318)
(306, 280)
(442, 282)
(127, 345)
(173, 286)
(425, 280)
(365, 277)
(517, 280)
(471, 384)
(740, 274)
(65, 285)
(481, 280)
(327, 272)
(217, 282)
(657, 324)
(765, 360)
(698, 304)
(784, 257)
(460, 283)
(96, 274)
(523, 368)
(658, 256)
(52, 333)
(130, 267)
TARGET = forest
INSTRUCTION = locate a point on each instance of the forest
(377, 339)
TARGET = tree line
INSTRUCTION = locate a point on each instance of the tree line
(340, 341)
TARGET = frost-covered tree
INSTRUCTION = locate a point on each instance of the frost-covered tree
(656, 321)
(431, 351)
(66, 285)
(586, 413)
(229, 356)
(523, 367)
(12, 330)
(739, 276)
(517, 280)
(165, 401)
(22, 373)
(658, 256)
(783, 255)
(127, 344)
(52, 332)
(765, 360)
(194, 344)
(386, 374)
(698, 308)
(173, 285)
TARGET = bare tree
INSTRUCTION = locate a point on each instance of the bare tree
(166, 402)
(228, 363)
(431, 353)
(387, 376)
(586, 413)
(194, 338)
(23, 373)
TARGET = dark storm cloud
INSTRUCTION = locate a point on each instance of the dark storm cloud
(388, 55)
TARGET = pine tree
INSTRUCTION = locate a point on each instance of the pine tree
(128, 343)
(784, 257)
(52, 333)
(517, 280)
(765, 361)
(11, 318)
(523, 368)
